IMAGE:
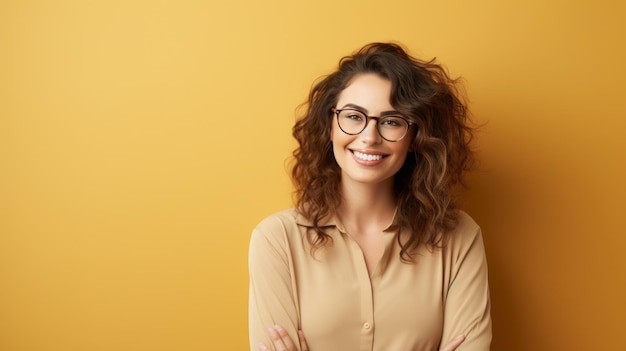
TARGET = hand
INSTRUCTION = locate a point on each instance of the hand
(282, 341)
(452, 345)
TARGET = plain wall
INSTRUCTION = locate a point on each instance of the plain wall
(141, 141)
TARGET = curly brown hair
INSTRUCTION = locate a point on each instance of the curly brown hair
(423, 92)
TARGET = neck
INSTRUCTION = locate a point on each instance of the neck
(366, 205)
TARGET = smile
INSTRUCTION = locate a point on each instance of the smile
(367, 157)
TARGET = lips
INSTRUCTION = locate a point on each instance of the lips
(367, 156)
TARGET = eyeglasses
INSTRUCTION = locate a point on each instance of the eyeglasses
(353, 122)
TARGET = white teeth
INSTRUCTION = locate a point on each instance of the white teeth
(367, 157)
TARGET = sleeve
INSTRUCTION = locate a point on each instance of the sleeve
(467, 304)
(272, 285)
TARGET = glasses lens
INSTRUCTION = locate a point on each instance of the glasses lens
(392, 127)
(351, 121)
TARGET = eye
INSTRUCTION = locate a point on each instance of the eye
(393, 122)
(352, 115)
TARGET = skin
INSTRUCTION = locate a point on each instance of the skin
(282, 341)
(369, 93)
(368, 203)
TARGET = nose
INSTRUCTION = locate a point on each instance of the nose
(370, 134)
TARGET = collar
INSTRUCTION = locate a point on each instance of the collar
(332, 220)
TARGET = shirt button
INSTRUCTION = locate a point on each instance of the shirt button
(366, 325)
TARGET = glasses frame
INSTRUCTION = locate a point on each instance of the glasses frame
(336, 112)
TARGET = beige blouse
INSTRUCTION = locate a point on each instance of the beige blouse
(330, 296)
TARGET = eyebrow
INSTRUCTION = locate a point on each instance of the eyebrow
(363, 109)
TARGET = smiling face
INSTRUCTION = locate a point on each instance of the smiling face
(367, 157)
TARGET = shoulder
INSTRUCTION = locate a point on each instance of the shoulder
(278, 236)
(464, 249)
(466, 224)
(276, 228)
(465, 234)
(278, 220)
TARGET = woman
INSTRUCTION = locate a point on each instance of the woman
(375, 255)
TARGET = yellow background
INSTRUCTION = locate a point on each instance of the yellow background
(141, 141)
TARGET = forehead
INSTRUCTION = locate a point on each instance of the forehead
(368, 90)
